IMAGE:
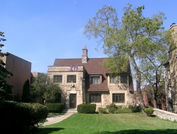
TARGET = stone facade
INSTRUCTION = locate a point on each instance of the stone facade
(84, 70)
(171, 73)
(77, 88)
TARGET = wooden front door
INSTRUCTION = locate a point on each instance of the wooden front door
(72, 100)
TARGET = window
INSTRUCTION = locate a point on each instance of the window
(124, 79)
(118, 98)
(57, 78)
(95, 98)
(112, 79)
(71, 79)
(95, 80)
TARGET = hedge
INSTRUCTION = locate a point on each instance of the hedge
(21, 117)
(86, 108)
(55, 107)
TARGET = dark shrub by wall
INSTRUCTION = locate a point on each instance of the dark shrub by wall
(21, 117)
(26, 92)
(55, 107)
(86, 108)
(135, 109)
(102, 110)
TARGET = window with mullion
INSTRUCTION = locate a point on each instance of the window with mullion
(123, 79)
(71, 79)
(95, 80)
(118, 98)
(95, 98)
(57, 78)
(112, 79)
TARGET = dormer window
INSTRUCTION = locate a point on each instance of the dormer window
(95, 79)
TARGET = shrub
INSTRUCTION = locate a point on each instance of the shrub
(135, 109)
(112, 108)
(21, 117)
(55, 107)
(149, 111)
(86, 108)
(102, 110)
(123, 110)
(26, 92)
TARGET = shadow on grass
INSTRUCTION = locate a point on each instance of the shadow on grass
(136, 131)
(46, 130)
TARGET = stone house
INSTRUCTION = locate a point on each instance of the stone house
(21, 70)
(171, 74)
(85, 81)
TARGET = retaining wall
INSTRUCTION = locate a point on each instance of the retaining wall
(165, 114)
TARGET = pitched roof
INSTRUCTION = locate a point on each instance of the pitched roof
(92, 66)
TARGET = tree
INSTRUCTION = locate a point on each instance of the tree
(26, 92)
(152, 73)
(44, 87)
(132, 39)
(5, 89)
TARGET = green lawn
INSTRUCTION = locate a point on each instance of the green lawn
(135, 123)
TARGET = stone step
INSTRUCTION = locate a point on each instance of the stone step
(70, 110)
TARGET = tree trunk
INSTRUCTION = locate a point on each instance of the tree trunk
(153, 96)
(138, 84)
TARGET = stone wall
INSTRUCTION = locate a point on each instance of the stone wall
(165, 115)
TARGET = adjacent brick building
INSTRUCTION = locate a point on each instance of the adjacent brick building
(21, 70)
(85, 81)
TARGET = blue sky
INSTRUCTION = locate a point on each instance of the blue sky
(41, 30)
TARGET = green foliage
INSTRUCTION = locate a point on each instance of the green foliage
(26, 92)
(102, 110)
(44, 87)
(149, 111)
(5, 89)
(112, 108)
(136, 38)
(135, 109)
(55, 107)
(86, 108)
(21, 117)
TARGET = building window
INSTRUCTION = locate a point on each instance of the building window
(112, 79)
(95, 98)
(57, 78)
(95, 80)
(124, 79)
(71, 79)
(118, 98)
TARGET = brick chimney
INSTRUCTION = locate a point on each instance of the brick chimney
(84, 55)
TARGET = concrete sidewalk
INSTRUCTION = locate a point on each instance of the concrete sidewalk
(52, 119)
